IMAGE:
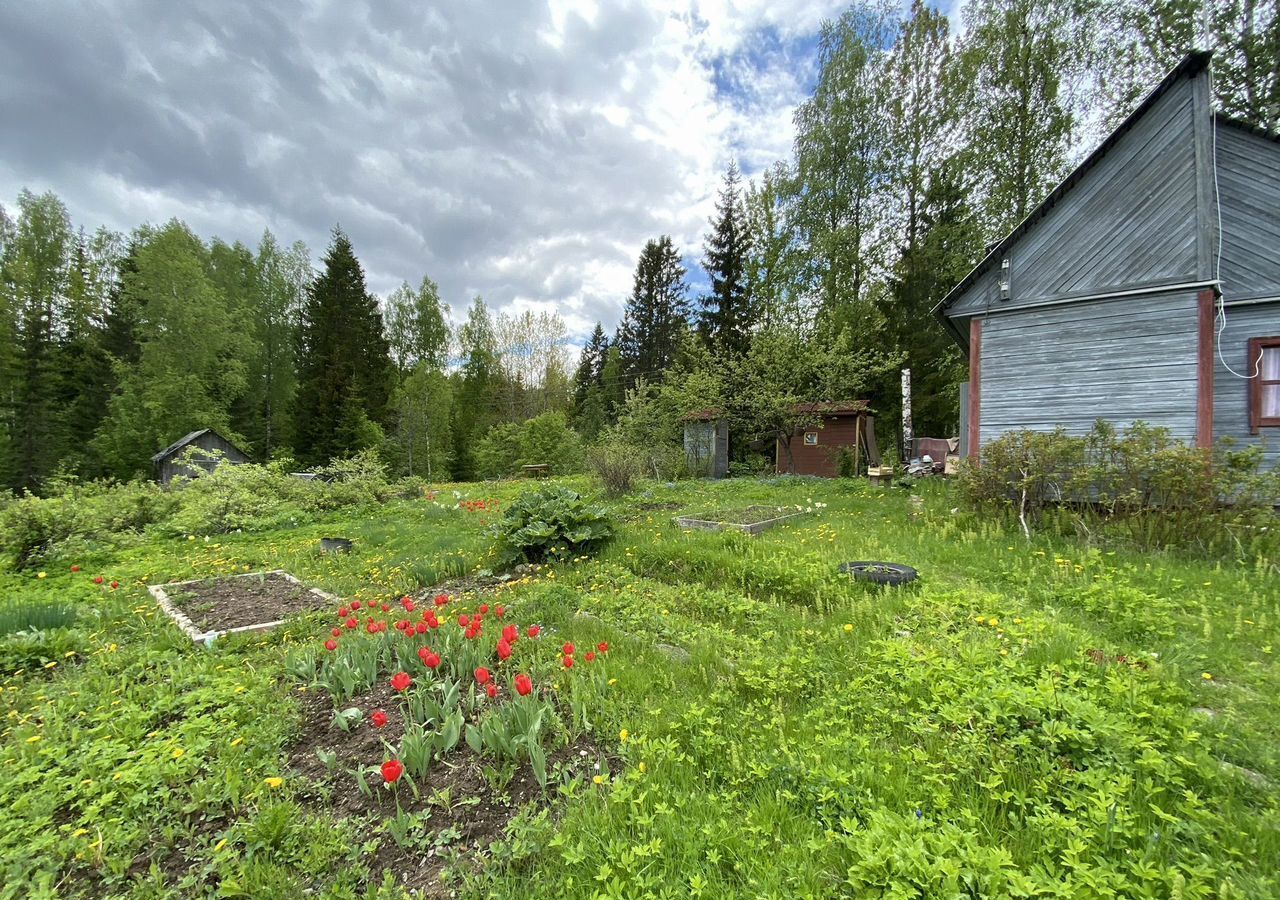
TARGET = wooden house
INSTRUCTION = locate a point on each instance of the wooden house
(211, 449)
(1146, 286)
(837, 426)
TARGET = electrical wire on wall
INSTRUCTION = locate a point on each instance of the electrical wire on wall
(1217, 263)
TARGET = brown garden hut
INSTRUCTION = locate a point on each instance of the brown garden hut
(211, 450)
(845, 425)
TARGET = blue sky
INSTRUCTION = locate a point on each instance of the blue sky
(519, 150)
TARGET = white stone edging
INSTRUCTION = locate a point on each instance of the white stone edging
(184, 623)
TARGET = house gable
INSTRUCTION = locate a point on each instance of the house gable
(1129, 218)
(1248, 180)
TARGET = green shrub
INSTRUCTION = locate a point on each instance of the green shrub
(30, 527)
(551, 522)
(35, 615)
(1140, 485)
(543, 440)
(618, 465)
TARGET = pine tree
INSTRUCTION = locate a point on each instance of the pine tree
(657, 312)
(726, 317)
(8, 355)
(344, 362)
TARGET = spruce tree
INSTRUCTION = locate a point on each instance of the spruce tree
(588, 385)
(725, 320)
(657, 312)
(344, 362)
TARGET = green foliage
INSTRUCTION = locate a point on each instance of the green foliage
(618, 465)
(1139, 485)
(551, 522)
(543, 440)
(344, 366)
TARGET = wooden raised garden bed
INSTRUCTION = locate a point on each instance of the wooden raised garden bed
(208, 608)
(751, 520)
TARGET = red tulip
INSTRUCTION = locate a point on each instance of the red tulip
(98, 579)
(337, 632)
(499, 612)
(392, 769)
(534, 631)
(386, 607)
(482, 675)
(342, 612)
(441, 599)
(568, 662)
(421, 628)
(378, 718)
(464, 620)
(352, 623)
(504, 650)
(591, 656)
(407, 603)
(524, 684)
(491, 690)
(401, 681)
(114, 585)
(372, 627)
(567, 649)
(331, 645)
(355, 604)
(75, 568)
(511, 634)
(603, 646)
(484, 608)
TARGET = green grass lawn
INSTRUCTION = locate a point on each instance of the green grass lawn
(1028, 719)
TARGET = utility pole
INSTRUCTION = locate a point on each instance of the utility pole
(908, 433)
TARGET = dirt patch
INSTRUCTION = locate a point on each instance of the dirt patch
(468, 799)
(220, 604)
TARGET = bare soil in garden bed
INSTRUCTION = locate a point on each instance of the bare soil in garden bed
(224, 603)
(474, 815)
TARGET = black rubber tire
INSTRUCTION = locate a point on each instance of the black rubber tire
(880, 572)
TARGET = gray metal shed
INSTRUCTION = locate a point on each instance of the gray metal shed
(167, 464)
(1120, 298)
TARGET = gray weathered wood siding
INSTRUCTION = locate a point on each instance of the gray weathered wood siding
(1123, 360)
(1249, 188)
(171, 466)
(1129, 222)
(1230, 393)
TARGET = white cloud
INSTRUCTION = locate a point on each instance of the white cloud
(523, 152)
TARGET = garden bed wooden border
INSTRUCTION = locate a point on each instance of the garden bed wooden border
(184, 623)
(747, 528)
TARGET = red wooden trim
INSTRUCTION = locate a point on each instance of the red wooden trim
(975, 387)
(1256, 384)
(1204, 370)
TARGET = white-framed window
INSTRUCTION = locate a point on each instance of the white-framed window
(811, 438)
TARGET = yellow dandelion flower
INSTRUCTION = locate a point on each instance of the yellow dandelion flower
(642, 767)
(599, 779)
(218, 846)
(178, 753)
(623, 735)
(848, 627)
(273, 782)
(42, 574)
(33, 739)
(1206, 676)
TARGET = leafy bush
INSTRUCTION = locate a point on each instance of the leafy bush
(551, 522)
(543, 440)
(1139, 484)
(618, 465)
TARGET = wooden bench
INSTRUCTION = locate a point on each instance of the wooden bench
(539, 470)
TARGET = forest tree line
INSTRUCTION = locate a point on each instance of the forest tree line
(917, 148)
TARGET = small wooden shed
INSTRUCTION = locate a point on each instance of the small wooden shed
(706, 443)
(168, 464)
(847, 425)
